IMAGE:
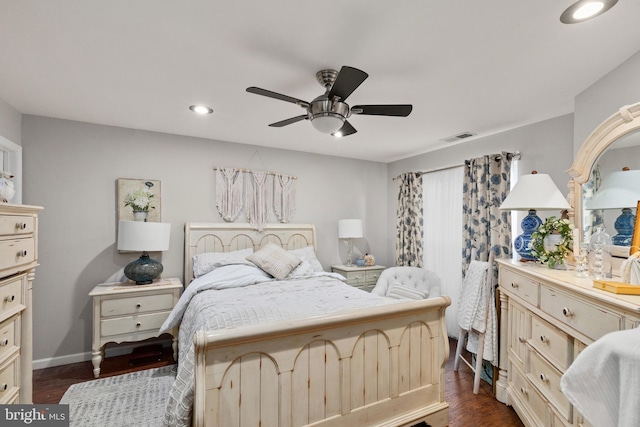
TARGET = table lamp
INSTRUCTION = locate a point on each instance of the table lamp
(533, 192)
(145, 237)
(350, 229)
(619, 190)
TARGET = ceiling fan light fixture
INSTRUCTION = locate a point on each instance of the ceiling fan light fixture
(584, 10)
(327, 122)
(201, 109)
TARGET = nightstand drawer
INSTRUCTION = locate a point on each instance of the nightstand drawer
(11, 296)
(371, 277)
(356, 278)
(520, 286)
(136, 304)
(590, 320)
(8, 334)
(550, 342)
(17, 252)
(15, 225)
(132, 324)
(9, 378)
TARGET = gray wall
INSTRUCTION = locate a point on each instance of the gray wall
(71, 170)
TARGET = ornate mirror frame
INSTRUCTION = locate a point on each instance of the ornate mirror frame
(625, 121)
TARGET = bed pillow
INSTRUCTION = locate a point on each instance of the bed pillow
(309, 254)
(205, 262)
(304, 269)
(398, 291)
(275, 260)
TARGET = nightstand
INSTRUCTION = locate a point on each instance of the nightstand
(364, 278)
(126, 312)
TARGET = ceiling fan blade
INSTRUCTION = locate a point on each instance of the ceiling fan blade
(345, 130)
(270, 94)
(399, 110)
(348, 80)
(289, 121)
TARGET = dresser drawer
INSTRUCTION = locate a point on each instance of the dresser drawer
(520, 286)
(8, 337)
(136, 304)
(547, 379)
(9, 378)
(552, 343)
(133, 324)
(16, 252)
(15, 225)
(522, 390)
(371, 276)
(588, 319)
(11, 296)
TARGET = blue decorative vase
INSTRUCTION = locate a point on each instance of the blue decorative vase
(360, 262)
(529, 224)
(624, 226)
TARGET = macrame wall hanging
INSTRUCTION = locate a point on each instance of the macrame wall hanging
(254, 192)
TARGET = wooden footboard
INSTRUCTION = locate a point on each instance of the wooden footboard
(381, 366)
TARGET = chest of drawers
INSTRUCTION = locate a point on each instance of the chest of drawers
(364, 278)
(129, 312)
(547, 318)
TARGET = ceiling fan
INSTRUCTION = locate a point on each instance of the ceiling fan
(329, 112)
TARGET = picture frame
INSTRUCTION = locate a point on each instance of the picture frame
(126, 186)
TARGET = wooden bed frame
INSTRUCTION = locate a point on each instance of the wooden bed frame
(381, 366)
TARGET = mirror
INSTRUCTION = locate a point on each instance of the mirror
(618, 135)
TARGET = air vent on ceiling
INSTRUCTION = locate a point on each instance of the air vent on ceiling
(458, 137)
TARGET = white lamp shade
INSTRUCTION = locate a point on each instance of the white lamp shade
(327, 124)
(618, 190)
(535, 191)
(143, 236)
(350, 229)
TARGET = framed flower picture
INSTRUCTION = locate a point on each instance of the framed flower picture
(139, 200)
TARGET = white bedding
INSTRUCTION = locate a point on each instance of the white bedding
(239, 295)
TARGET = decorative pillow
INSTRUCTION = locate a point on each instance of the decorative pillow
(399, 291)
(209, 261)
(275, 260)
(309, 254)
(304, 269)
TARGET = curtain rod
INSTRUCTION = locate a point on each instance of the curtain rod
(253, 170)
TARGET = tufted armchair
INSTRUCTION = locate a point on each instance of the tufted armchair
(412, 277)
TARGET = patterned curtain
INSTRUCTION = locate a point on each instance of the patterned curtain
(409, 220)
(485, 227)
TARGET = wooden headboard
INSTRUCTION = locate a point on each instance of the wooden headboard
(201, 237)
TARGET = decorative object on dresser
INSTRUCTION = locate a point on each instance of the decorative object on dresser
(363, 277)
(7, 188)
(532, 192)
(145, 237)
(139, 200)
(350, 229)
(548, 317)
(619, 190)
(126, 312)
(19, 249)
(552, 242)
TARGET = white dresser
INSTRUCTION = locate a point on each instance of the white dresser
(18, 259)
(547, 318)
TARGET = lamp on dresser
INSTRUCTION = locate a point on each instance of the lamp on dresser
(532, 193)
(619, 190)
(350, 229)
(146, 237)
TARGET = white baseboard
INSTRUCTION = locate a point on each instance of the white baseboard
(67, 359)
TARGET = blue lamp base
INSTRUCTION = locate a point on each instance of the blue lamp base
(522, 243)
(624, 226)
(143, 270)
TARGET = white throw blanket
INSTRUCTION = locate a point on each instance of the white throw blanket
(603, 383)
(226, 298)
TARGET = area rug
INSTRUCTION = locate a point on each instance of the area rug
(136, 399)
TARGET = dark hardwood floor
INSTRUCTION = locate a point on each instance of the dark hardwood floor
(466, 408)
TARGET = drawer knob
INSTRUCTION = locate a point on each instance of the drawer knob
(4, 343)
(4, 387)
(543, 338)
(138, 305)
(10, 298)
(138, 324)
(566, 312)
(523, 390)
(22, 253)
(522, 340)
(21, 225)
(543, 378)
(514, 285)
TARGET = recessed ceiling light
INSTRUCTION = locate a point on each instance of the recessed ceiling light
(585, 9)
(201, 109)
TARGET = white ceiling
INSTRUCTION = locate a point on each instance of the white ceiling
(476, 66)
